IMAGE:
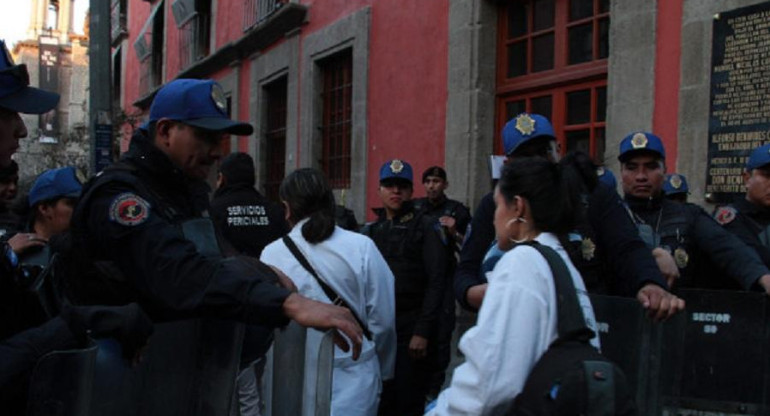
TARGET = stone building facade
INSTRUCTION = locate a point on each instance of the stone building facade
(51, 26)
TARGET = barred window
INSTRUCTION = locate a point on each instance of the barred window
(275, 136)
(336, 96)
(553, 62)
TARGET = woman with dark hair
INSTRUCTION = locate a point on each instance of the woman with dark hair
(536, 202)
(354, 270)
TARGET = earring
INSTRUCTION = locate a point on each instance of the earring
(517, 219)
(513, 240)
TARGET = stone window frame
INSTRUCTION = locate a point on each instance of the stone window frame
(350, 32)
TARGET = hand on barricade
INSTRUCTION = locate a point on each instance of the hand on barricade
(22, 242)
(323, 316)
(660, 304)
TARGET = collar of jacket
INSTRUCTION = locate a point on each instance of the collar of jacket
(751, 209)
(231, 189)
(643, 204)
(157, 167)
(406, 208)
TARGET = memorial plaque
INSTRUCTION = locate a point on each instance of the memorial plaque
(739, 116)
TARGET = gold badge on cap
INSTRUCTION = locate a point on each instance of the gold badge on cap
(218, 96)
(588, 249)
(525, 124)
(396, 166)
(681, 258)
(675, 181)
(639, 141)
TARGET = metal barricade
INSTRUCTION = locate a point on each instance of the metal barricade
(714, 358)
(189, 368)
(626, 337)
(298, 373)
(709, 360)
(61, 383)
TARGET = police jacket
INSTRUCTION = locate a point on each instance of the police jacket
(692, 236)
(246, 219)
(446, 207)
(412, 246)
(129, 223)
(750, 223)
(627, 262)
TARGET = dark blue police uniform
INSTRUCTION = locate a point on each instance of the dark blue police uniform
(129, 223)
(606, 249)
(418, 257)
(690, 235)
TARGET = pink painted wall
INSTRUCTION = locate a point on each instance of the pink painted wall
(407, 91)
(138, 12)
(407, 78)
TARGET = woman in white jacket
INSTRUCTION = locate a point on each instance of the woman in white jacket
(536, 201)
(355, 270)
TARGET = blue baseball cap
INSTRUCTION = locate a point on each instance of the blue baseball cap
(759, 157)
(15, 92)
(641, 142)
(196, 102)
(55, 183)
(524, 128)
(605, 175)
(675, 184)
(396, 169)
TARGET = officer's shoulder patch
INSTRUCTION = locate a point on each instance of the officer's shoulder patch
(129, 209)
(725, 215)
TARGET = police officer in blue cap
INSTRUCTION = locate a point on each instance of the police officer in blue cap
(749, 217)
(412, 245)
(25, 339)
(675, 187)
(146, 217)
(682, 236)
(606, 250)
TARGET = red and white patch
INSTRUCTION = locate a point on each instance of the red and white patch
(129, 209)
(725, 215)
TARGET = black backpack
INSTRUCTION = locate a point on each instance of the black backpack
(572, 377)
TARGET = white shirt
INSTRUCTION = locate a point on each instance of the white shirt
(515, 326)
(351, 265)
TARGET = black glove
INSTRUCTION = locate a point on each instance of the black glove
(128, 324)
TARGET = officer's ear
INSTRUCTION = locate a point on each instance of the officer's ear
(287, 211)
(746, 176)
(162, 131)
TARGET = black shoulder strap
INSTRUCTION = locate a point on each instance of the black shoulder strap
(330, 293)
(570, 320)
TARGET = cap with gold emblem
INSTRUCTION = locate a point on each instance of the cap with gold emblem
(523, 128)
(196, 102)
(396, 169)
(675, 184)
(639, 142)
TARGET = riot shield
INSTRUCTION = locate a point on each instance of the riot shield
(189, 368)
(714, 361)
(61, 383)
(301, 361)
(627, 336)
